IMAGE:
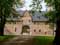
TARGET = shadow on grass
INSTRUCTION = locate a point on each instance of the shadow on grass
(43, 40)
(5, 38)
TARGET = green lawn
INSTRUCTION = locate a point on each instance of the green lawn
(6, 37)
(43, 40)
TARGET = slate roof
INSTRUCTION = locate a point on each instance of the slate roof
(13, 19)
(36, 16)
(21, 12)
(39, 16)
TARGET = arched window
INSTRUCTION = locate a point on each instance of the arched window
(40, 30)
(15, 29)
(34, 30)
(45, 33)
(29, 20)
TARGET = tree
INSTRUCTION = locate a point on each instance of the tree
(51, 13)
(36, 5)
(56, 4)
(5, 10)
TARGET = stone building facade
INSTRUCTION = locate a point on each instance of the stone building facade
(28, 24)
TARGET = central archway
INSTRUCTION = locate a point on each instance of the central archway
(25, 29)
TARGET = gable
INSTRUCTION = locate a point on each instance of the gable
(36, 16)
(27, 14)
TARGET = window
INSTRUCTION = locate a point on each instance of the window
(29, 20)
(15, 29)
(34, 30)
(40, 30)
(45, 33)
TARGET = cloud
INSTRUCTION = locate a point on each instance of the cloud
(28, 2)
(43, 6)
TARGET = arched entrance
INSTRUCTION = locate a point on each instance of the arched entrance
(25, 29)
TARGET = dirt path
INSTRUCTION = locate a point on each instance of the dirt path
(20, 40)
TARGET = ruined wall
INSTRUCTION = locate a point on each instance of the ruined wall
(13, 29)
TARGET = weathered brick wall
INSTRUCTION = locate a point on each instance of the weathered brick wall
(13, 29)
(41, 29)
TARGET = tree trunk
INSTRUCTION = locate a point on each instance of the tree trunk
(2, 25)
(57, 36)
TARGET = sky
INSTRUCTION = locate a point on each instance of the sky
(28, 2)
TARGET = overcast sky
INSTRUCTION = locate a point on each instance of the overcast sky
(28, 2)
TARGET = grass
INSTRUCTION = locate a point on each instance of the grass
(6, 37)
(43, 40)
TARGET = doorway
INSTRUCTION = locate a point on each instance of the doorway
(25, 29)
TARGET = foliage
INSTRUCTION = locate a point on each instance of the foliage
(19, 3)
(51, 15)
(36, 5)
(55, 4)
(49, 2)
(6, 6)
(5, 10)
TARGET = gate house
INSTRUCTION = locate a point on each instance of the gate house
(26, 23)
